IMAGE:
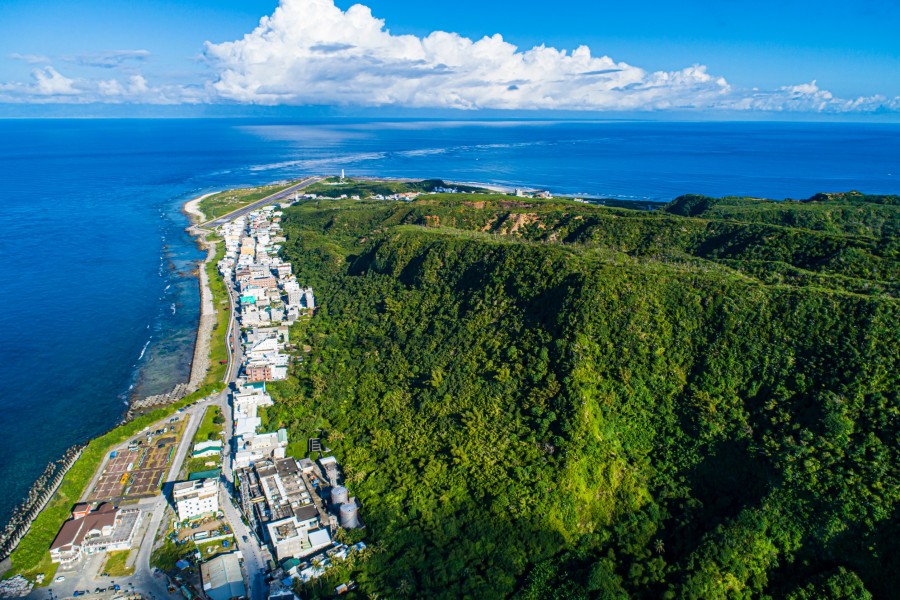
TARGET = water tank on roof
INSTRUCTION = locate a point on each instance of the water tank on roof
(339, 495)
(349, 516)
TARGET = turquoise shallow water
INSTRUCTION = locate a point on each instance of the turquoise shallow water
(98, 297)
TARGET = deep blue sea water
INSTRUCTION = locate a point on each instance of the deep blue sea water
(98, 297)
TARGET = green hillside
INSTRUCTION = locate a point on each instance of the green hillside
(546, 399)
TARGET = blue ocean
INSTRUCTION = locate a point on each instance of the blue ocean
(99, 298)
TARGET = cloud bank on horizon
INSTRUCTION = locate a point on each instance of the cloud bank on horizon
(310, 52)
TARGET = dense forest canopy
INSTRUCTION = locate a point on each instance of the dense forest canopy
(546, 399)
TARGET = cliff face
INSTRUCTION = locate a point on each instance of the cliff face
(601, 402)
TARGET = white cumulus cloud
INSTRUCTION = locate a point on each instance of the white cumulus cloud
(49, 82)
(312, 52)
(808, 97)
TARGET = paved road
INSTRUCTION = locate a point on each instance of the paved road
(251, 549)
(267, 200)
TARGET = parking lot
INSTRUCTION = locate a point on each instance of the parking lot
(139, 466)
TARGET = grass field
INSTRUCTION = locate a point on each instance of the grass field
(165, 557)
(231, 200)
(218, 345)
(116, 564)
(208, 427)
(334, 188)
(211, 549)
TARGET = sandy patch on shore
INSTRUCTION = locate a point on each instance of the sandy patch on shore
(192, 208)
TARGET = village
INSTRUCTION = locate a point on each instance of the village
(209, 504)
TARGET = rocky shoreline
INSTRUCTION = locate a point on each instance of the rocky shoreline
(35, 501)
(200, 360)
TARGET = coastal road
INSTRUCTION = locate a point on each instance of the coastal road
(232, 339)
(286, 193)
(254, 562)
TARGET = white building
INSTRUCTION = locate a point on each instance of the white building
(195, 499)
(252, 449)
(210, 448)
(294, 293)
(245, 404)
(262, 348)
(309, 299)
(299, 535)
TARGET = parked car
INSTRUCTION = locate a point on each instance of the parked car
(60, 579)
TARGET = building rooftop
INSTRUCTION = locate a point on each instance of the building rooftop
(184, 487)
(211, 474)
(73, 531)
(222, 579)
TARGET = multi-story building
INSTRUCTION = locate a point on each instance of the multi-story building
(194, 499)
(294, 293)
(252, 449)
(275, 496)
(266, 281)
(297, 535)
(99, 530)
(309, 300)
(283, 270)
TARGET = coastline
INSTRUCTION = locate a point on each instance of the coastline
(200, 363)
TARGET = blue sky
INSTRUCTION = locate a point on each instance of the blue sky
(702, 55)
